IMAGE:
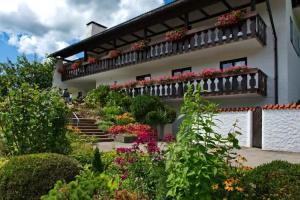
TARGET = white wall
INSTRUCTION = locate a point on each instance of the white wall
(293, 60)
(281, 130)
(243, 120)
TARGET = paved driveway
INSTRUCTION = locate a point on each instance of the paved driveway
(254, 156)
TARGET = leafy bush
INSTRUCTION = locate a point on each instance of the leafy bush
(97, 162)
(88, 185)
(150, 109)
(199, 158)
(105, 125)
(275, 180)
(2, 161)
(97, 97)
(109, 113)
(117, 98)
(82, 152)
(31, 176)
(142, 105)
(34, 121)
(124, 119)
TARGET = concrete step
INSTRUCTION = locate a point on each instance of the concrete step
(87, 127)
(97, 136)
(91, 130)
(93, 133)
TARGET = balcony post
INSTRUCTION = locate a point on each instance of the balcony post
(253, 5)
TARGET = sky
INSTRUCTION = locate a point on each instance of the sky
(41, 27)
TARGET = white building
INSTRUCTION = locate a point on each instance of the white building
(251, 42)
(266, 38)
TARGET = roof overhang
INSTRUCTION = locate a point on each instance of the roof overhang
(157, 16)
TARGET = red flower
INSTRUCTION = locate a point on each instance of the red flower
(91, 60)
(140, 45)
(175, 35)
(117, 129)
(229, 18)
(152, 147)
(236, 69)
(76, 65)
(208, 73)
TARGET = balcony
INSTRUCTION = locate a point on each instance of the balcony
(254, 81)
(251, 26)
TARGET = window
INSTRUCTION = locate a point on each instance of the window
(143, 77)
(231, 63)
(295, 37)
(180, 71)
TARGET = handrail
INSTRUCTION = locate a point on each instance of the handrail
(77, 119)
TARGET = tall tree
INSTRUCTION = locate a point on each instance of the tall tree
(12, 75)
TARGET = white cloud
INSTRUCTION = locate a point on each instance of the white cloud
(41, 27)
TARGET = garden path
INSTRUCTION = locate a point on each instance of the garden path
(254, 156)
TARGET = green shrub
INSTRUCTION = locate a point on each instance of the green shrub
(142, 105)
(87, 186)
(97, 162)
(97, 97)
(109, 113)
(31, 176)
(200, 156)
(34, 121)
(82, 152)
(105, 125)
(275, 180)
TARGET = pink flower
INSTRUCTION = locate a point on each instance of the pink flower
(120, 161)
(125, 175)
(207, 73)
(123, 150)
(169, 138)
(152, 147)
(236, 69)
(91, 60)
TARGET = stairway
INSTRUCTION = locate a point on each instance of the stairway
(89, 129)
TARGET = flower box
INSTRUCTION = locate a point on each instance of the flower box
(229, 19)
(175, 35)
(140, 45)
(125, 138)
(91, 60)
(76, 65)
(113, 53)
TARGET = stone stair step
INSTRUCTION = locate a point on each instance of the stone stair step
(97, 136)
(87, 127)
(91, 130)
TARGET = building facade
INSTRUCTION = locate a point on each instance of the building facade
(266, 38)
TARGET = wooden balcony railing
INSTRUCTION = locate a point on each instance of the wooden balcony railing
(250, 26)
(254, 81)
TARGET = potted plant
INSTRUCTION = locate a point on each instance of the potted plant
(76, 65)
(236, 70)
(91, 60)
(114, 53)
(209, 73)
(140, 45)
(175, 35)
(229, 19)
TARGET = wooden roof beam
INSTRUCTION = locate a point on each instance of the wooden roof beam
(228, 6)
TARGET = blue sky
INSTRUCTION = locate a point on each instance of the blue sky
(33, 27)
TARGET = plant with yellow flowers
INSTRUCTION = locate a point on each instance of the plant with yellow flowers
(124, 119)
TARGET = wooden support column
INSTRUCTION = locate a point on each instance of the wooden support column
(187, 21)
(253, 5)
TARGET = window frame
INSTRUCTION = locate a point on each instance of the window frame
(142, 77)
(233, 61)
(181, 70)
